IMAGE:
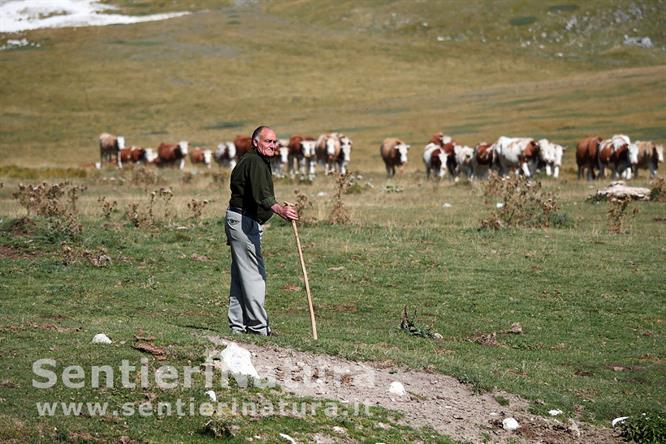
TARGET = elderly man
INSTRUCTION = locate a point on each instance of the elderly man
(252, 203)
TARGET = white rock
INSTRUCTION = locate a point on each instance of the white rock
(554, 412)
(619, 420)
(288, 438)
(397, 389)
(238, 362)
(101, 338)
(211, 394)
(322, 194)
(510, 424)
(446, 205)
(499, 205)
(339, 430)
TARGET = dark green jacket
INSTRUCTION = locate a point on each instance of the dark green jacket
(252, 186)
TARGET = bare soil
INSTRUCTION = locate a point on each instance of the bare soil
(432, 399)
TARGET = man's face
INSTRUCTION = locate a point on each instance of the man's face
(267, 143)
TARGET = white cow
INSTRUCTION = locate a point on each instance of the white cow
(516, 153)
(434, 159)
(334, 152)
(464, 160)
(280, 161)
(550, 155)
(650, 155)
(225, 154)
(309, 159)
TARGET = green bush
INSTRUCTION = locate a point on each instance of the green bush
(647, 428)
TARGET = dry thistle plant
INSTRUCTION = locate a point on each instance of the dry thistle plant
(524, 204)
(144, 176)
(617, 214)
(107, 207)
(187, 178)
(657, 189)
(136, 217)
(197, 207)
(303, 203)
(45, 200)
(339, 214)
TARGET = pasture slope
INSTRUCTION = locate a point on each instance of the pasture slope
(591, 304)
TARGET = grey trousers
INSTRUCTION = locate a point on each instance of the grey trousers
(247, 291)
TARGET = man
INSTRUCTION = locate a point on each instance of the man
(252, 203)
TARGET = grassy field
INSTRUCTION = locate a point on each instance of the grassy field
(591, 303)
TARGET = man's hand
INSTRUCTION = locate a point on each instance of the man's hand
(286, 211)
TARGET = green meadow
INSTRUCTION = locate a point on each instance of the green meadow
(592, 303)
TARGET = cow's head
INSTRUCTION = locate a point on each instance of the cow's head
(346, 146)
(121, 142)
(402, 149)
(183, 144)
(330, 146)
(284, 154)
(633, 153)
(151, 155)
(308, 147)
(208, 156)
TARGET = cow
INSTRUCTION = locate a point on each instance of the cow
(280, 159)
(133, 154)
(333, 150)
(464, 157)
(434, 159)
(150, 156)
(301, 155)
(394, 154)
(440, 139)
(225, 154)
(587, 156)
(550, 157)
(201, 155)
(619, 154)
(110, 146)
(484, 159)
(243, 144)
(170, 153)
(650, 155)
(516, 153)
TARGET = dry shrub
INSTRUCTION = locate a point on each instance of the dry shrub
(97, 258)
(303, 204)
(657, 191)
(107, 207)
(219, 178)
(339, 214)
(140, 217)
(617, 214)
(47, 200)
(410, 326)
(197, 207)
(524, 204)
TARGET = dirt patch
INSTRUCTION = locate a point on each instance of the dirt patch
(7, 252)
(432, 399)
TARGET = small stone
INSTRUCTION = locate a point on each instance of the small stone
(211, 395)
(554, 412)
(339, 430)
(397, 388)
(510, 424)
(101, 338)
(619, 420)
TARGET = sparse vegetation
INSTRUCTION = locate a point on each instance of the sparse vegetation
(618, 214)
(646, 428)
(339, 214)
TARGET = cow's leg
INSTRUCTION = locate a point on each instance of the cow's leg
(556, 171)
(549, 170)
(182, 164)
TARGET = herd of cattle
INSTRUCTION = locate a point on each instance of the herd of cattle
(442, 156)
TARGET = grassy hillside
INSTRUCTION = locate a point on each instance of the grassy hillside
(369, 69)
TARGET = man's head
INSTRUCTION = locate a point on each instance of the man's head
(264, 141)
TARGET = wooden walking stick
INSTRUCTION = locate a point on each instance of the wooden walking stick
(313, 321)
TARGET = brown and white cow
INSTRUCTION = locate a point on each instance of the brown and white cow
(434, 159)
(550, 157)
(484, 159)
(280, 158)
(619, 154)
(650, 155)
(133, 154)
(516, 153)
(333, 150)
(225, 154)
(464, 157)
(201, 155)
(587, 156)
(394, 154)
(301, 155)
(110, 146)
(440, 139)
(172, 153)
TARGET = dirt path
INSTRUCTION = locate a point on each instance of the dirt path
(432, 399)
